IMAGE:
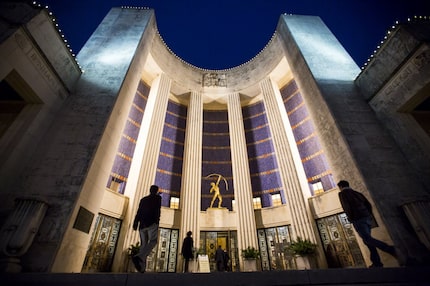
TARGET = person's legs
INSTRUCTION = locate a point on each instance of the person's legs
(220, 265)
(143, 241)
(186, 264)
(151, 236)
(362, 226)
(137, 259)
(143, 236)
(381, 245)
(368, 239)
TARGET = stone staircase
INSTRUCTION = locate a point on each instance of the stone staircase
(417, 276)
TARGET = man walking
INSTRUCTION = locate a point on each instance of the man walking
(359, 212)
(147, 218)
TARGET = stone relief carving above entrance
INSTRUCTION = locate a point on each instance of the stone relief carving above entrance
(215, 79)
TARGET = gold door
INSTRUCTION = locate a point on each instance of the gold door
(211, 240)
(340, 245)
(102, 244)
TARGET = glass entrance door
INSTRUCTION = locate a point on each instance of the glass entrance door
(340, 245)
(163, 256)
(102, 245)
(211, 240)
(273, 242)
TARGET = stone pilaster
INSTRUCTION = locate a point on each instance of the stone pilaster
(192, 169)
(246, 229)
(292, 173)
(150, 138)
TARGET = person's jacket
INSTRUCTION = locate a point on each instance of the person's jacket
(354, 204)
(219, 255)
(148, 212)
(187, 247)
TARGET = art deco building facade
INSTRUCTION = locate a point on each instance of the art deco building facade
(82, 143)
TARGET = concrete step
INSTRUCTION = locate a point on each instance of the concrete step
(419, 276)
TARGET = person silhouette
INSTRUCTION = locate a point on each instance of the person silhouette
(147, 221)
(359, 212)
(187, 250)
(226, 260)
(219, 258)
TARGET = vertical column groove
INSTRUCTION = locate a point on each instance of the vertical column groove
(292, 173)
(152, 131)
(192, 170)
(247, 231)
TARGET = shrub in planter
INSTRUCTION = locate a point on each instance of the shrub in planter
(303, 247)
(250, 253)
(304, 251)
(133, 249)
(250, 256)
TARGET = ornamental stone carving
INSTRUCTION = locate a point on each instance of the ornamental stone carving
(215, 79)
(18, 232)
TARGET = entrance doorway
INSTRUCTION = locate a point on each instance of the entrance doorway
(273, 242)
(102, 245)
(209, 242)
(163, 256)
(340, 245)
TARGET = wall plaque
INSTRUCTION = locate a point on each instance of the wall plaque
(83, 220)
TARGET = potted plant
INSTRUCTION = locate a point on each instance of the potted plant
(200, 251)
(250, 256)
(132, 251)
(303, 250)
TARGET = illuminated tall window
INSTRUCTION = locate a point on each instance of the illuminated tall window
(317, 188)
(257, 203)
(276, 200)
(174, 202)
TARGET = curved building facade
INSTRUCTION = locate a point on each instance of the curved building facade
(275, 134)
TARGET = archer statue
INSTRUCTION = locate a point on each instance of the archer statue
(215, 189)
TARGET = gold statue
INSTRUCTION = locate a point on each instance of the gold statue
(215, 189)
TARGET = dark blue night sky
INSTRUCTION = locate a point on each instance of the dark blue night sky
(221, 34)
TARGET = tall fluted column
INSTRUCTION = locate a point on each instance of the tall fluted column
(290, 167)
(192, 169)
(246, 229)
(150, 138)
